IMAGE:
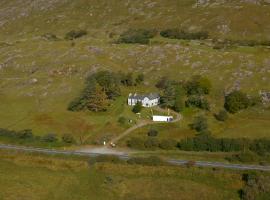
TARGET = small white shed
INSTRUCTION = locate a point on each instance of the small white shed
(159, 118)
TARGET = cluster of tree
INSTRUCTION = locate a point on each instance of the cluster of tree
(174, 93)
(27, 136)
(74, 34)
(128, 79)
(237, 100)
(205, 142)
(202, 142)
(257, 186)
(140, 36)
(101, 88)
(184, 35)
(151, 143)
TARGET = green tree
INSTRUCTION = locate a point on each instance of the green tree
(198, 85)
(236, 101)
(168, 97)
(179, 103)
(137, 108)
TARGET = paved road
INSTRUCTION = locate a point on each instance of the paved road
(126, 156)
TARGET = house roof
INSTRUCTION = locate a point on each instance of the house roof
(150, 96)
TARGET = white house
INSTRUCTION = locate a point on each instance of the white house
(148, 100)
(159, 118)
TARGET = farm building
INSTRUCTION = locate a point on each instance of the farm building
(148, 100)
(158, 118)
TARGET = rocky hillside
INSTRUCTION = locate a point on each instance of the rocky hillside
(41, 71)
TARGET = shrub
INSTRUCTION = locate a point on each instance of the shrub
(199, 124)
(139, 79)
(141, 36)
(25, 134)
(122, 120)
(137, 108)
(221, 116)
(74, 34)
(147, 161)
(236, 101)
(152, 133)
(184, 35)
(168, 144)
(68, 138)
(151, 143)
(135, 143)
(51, 137)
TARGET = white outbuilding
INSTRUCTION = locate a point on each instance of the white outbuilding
(159, 118)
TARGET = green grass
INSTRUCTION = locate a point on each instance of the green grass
(61, 68)
(25, 176)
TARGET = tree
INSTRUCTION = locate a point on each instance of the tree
(179, 103)
(98, 100)
(137, 108)
(110, 82)
(236, 101)
(200, 124)
(168, 97)
(162, 83)
(198, 85)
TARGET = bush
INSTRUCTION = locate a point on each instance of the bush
(68, 138)
(236, 101)
(147, 161)
(152, 133)
(168, 144)
(184, 35)
(137, 108)
(139, 79)
(122, 120)
(221, 116)
(141, 36)
(135, 143)
(25, 134)
(199, 124)
(74, 34)
(51, 137)
(151, 143)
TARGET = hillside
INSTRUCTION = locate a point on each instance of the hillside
(40, 75)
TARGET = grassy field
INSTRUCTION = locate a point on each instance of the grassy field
(38, 78)
(25, 176)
